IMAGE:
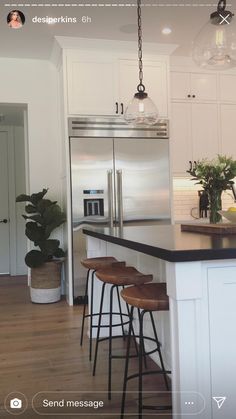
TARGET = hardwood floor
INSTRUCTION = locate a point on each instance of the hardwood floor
(40, 352)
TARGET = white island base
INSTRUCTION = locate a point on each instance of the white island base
(199, 341)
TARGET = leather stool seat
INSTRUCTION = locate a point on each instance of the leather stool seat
(118, 275)
(99, 263)
(151, 297)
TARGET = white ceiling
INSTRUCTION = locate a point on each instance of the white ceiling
(115, 20)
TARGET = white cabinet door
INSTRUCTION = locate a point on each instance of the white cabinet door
(91, 84)
(180, 137)
(180, 85)
(228, 140)
(193, 86)
(155, 81)
(194, 134)
(204, 131)
(227, 88)
(222, 319)
(204, 86)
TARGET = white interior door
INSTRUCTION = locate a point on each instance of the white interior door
(4, 206)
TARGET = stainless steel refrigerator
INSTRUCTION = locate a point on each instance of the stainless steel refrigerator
(119, 176)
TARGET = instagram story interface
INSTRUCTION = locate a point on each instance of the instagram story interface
(117, 213)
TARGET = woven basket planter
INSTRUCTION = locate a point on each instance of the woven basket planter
(46, 283)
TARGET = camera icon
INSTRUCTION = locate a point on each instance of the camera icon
(16, 403)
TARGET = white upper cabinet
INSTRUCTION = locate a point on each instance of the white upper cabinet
(101, 83)
(228, 88)
(155, 81)
(180, 85)
(193, 86)
(194, 134)
(91, 84)
(180, 137)
(228, 139)
(204, 131)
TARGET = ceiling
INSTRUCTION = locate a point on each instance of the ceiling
(114, 20)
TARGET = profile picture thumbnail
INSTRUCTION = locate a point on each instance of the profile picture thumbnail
(15, 19)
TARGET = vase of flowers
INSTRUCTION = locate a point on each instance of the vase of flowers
(215, 176)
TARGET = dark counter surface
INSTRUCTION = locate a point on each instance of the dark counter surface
(167, 242)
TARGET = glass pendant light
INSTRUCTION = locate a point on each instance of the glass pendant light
(215, 45)
(141, 109)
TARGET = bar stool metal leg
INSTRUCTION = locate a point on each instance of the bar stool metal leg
(110, 342)
(84, 309)
(159, 352)
(98, 328)
(91, 318)
(140, 378)
(144, 353)
(126, 365)
(121, 317)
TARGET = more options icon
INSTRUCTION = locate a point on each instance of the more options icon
(16, 403)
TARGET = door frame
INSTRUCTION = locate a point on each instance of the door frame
(11, 198)
(12, 188)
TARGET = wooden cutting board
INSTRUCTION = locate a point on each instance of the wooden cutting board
(210, 228)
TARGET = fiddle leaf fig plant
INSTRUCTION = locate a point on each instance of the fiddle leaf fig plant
(42, 217)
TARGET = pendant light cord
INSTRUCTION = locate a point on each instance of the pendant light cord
(221, 5)
(141, 87)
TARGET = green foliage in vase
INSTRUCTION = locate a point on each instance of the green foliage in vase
(43, 216)
(212, 175)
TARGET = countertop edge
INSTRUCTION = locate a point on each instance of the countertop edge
(165, 254)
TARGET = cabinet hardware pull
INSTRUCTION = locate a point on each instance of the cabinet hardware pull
(189, 95)
(117, 107)
(190, 165)
(119, 197)
(110, 196)
(194, 96)
(194, 164)
(122, 108)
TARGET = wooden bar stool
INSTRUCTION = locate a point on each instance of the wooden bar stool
(93, 264)
(148, 298)
(117, 277)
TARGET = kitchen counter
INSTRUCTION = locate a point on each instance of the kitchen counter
(197, 336)
(167, 242)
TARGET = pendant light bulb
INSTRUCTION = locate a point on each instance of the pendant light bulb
(141, 109)
(215, 45)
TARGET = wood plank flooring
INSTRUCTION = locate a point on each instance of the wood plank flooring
(40, 352)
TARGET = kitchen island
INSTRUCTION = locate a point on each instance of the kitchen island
(200, 271)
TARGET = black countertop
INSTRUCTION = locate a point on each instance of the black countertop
(167, 242)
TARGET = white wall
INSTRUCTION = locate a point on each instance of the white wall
(34, 82)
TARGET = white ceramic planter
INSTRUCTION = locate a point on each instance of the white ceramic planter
(45, 296)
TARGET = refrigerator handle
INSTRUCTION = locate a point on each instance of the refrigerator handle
(110, 197)
(119, 197)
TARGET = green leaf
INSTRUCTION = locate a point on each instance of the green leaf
(36, 197)
(34, 232)
(37, 218)
(34, 259)
(43, 204)
(53, 218)
(59, 253)
(30, 209)
(49, 247)
(22, 198)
